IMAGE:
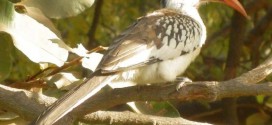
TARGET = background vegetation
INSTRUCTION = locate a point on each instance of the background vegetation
(234, 45)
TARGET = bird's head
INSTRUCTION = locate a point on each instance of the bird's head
(235, 4)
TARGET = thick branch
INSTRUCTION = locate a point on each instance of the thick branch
(25, 103)
(130, 118)
(258, 74)
(210, 91)
(190, 91)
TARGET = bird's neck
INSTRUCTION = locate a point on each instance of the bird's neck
(191, 11)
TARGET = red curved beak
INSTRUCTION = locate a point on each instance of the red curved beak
(235, 4)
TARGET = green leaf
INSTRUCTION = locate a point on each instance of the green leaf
(258, 119)
(260, 99)
(5, 55)
(6, 12)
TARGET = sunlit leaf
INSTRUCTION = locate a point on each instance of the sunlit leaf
(64, 81)
(36, 41)
(32, 38)
(36, 14)
(59, 8)
(80, 50)
(89, 61)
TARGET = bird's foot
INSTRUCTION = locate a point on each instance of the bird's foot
(182, 81)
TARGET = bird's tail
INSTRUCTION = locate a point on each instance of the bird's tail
(72, 99)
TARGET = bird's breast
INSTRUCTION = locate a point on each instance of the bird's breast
(161, 72)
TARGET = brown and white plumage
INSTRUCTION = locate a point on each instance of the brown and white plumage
(156, 48)
(143, 53)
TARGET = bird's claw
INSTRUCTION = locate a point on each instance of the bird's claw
(182, 81)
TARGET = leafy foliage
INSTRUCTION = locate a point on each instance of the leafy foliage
(115, 15)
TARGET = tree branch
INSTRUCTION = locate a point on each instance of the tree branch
(25, 103)
(91, 33)
(29, 104)
(130, 118)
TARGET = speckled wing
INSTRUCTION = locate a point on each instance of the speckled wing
(161, 35)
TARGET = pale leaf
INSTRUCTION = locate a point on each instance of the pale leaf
(59, 8)
(91, 61)
(35, 40)
(80, 50)
(64, 81)
(36, 14)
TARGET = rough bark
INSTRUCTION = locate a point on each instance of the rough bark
(29, 104)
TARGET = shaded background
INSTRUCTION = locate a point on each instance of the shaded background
(234, 45)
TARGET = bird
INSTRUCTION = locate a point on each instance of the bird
(156, 48)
